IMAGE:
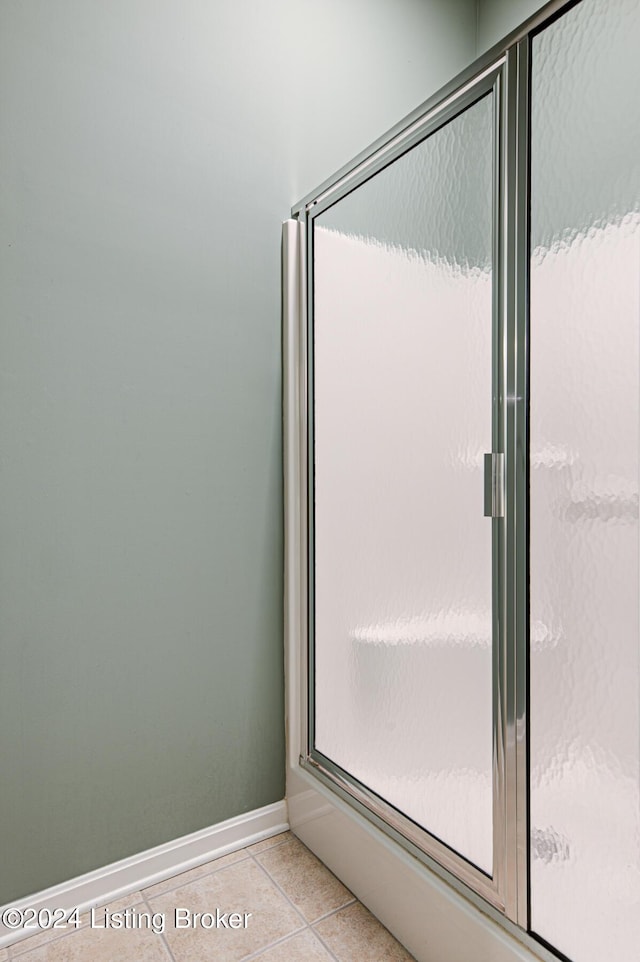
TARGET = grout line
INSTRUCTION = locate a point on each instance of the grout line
(326, 946)
(280, 889)
(179, 884)
(307, 924)
(354, 901)
(328, 915)
(271, 945)
(350, 901)
(162, 935)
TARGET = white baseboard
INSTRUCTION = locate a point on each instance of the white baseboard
(156, 864)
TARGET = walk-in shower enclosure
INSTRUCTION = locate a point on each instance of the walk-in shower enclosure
(462, 308)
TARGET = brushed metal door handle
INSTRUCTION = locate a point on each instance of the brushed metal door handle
(494, 483)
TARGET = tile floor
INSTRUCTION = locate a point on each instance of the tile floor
(300, 912)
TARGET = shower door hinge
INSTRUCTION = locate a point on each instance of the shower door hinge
(494, 485)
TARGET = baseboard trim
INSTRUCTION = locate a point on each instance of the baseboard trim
(154, 865)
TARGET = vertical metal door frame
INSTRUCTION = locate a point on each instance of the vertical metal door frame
(515, 236)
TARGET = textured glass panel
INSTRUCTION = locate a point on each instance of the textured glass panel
(402, 419)
(585, 313)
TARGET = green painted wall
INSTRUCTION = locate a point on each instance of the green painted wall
(150, 149)
(497, 18)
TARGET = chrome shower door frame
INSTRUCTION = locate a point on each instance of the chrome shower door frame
(499, 79)
(324, 798)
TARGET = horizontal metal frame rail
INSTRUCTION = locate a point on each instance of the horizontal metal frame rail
(455, 86)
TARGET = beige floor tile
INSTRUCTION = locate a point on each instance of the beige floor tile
(102, 945)
(354, 935)
(304, 947)
(195, 873)
(4, 955)
(240, 888)
(307, 882)
(269, 843)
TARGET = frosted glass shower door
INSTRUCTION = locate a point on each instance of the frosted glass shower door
(585, 358)
(401, 571)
